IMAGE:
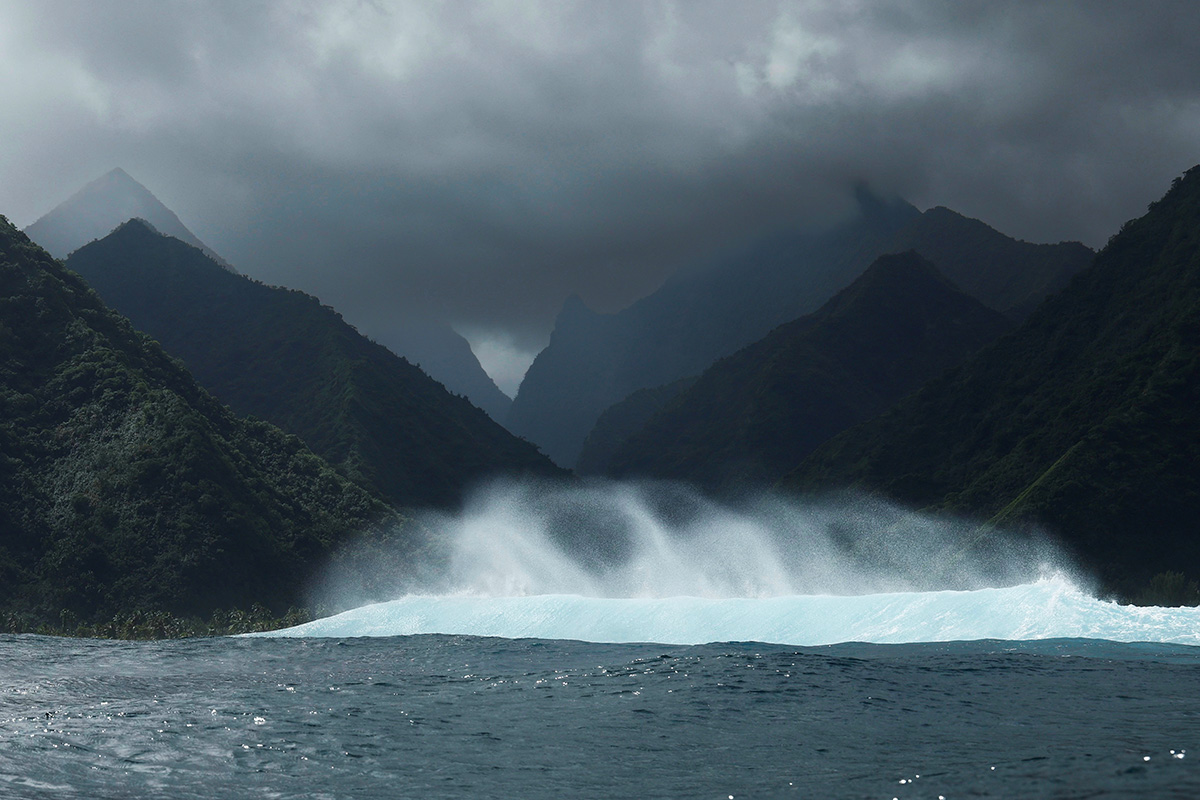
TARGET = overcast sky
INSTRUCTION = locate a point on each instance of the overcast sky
(481, 161)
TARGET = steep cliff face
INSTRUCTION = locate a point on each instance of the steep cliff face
(694, 319)
(446, 356)
(571, 381)
(707, 314)
(752, 416)
(281, 356)
(1084, 419)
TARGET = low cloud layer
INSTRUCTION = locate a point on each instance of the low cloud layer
(481, 161)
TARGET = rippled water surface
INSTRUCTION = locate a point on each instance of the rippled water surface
(441, 716)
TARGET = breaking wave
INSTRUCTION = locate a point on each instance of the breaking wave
(626, 562)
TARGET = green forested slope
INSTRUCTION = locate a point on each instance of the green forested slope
(124, 485)
(752, 416)
(280, 355)
(1006, 274)
(622, 420)
(1086, 419)
(699, 315)
(702, 314)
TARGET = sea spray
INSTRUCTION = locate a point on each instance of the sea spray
(658, 540)
(643, 539)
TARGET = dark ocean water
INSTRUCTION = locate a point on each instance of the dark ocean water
(434, 716)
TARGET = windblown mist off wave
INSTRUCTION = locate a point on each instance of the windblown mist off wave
(619, 562)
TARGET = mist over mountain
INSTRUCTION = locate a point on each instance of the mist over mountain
(595, 360)
(114, 198)
(446, 356)
(1084, 419)
(1006, 274)
(750, 417)
(93, 211)
(124, 485)
(280, 355)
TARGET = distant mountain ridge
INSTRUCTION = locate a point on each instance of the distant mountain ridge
(99, 207)
(595, 360)
(1009, 275)
(624, 419)
(282, 356)
(750, 417)
(446, 356)
(125, 487)
(1084, 419)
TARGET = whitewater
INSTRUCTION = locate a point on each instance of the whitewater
(641, 642)
(628, 562)
(1048, 609)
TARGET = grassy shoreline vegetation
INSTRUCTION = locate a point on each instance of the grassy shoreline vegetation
(155, 624)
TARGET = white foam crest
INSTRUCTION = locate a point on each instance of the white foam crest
(621, 562)
(1049, 608)
(608, 541)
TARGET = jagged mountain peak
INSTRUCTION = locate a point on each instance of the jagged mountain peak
(280, 355)
(135, 223)
(101, 206)
(574, 308)
(1083, 420)
(751, 416)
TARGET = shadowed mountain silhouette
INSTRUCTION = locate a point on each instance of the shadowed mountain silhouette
(595, 360)
(1084, 419)
(750, 417)
(93, 212)
(280, 355)
(126, 487)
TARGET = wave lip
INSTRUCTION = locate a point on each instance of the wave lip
(1051, 608)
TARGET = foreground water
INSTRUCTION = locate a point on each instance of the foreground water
(436, 716)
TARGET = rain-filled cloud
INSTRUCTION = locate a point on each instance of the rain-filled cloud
(479, 162)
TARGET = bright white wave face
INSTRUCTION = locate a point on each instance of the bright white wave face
(1047, 609)
(621, 562)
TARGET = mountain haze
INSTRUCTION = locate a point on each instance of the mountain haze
(752, 416)
(97, 208)
(125, 486)
(595, 360)
(1084, 419)
(280, 355)
(444, 355)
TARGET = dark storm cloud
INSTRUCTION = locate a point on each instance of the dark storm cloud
(483, 160)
